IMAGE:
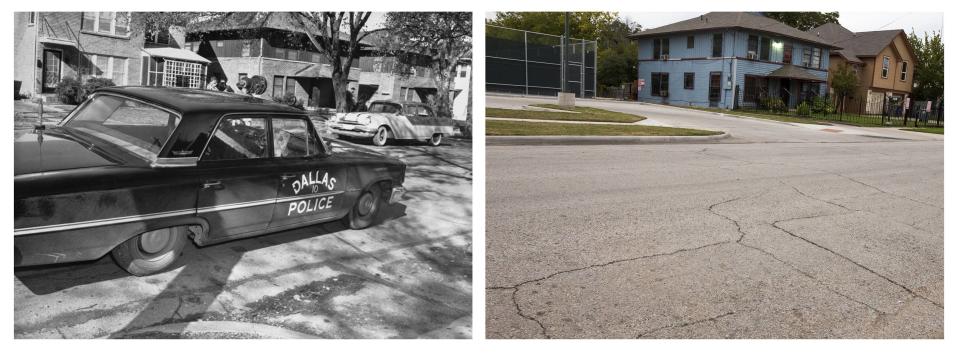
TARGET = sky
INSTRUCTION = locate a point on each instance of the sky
(854, 21)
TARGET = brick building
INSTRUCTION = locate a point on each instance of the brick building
(51, 46)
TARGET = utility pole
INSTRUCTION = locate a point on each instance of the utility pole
(565, 98)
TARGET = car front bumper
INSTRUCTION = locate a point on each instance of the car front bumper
(352, 130)
(396, 194)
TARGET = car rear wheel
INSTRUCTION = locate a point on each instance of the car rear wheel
(364, 211)
(151, 252)
(436, 140)
(381, 136)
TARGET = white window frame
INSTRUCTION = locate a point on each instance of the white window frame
(108, 73)
(885, 67)
(903, 69)
(113, 24)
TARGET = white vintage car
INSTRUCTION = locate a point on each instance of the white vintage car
(397, 120)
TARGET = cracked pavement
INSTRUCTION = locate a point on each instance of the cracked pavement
(408, 276)
(815, 235)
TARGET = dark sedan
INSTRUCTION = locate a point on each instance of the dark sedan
(138, 171)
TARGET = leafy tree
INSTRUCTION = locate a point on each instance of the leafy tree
(845, 81)
(617, 55)
(438, 40)
(340, 35)
(804, 21)
(928, 71)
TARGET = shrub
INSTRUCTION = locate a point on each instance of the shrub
(95, 83)
(803, 109)
(290, 100)
(774, 104)
(69, 90)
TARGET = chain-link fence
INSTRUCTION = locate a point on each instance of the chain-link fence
(530, 63)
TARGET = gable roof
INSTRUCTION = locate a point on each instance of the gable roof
(736, 20)
(857, 44)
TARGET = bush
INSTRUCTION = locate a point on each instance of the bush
(803, 109)
(774, 104)
(290, 100)
(70, 91)
(822, 105)
(95, 83)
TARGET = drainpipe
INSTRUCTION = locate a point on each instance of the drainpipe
(735, 65)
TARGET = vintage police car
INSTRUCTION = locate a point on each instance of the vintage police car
(137, 171)
(398, 120)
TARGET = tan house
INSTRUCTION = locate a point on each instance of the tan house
(884, 61)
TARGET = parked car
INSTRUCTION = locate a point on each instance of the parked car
(138, 171)
(393, 120)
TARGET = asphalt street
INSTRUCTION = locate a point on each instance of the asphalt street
(782, 231)
(408, 276)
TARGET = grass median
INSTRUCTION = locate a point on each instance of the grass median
(574, 114)
(523, 128)
(929, 130)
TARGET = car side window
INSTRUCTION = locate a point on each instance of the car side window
(238, 138)
(292, 138)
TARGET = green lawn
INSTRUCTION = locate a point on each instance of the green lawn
(930, 130)
(776, 117)
(582, 114)
(522, 128)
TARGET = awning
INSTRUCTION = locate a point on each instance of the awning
(176, 53)
(794, 72)
(57, 41)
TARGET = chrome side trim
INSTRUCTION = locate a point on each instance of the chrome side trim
(177, 162)
(146, 217)
(99, 222)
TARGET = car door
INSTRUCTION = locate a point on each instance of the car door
(239, 187)
(311, 186)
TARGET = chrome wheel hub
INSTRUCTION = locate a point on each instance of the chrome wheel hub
(155, 241)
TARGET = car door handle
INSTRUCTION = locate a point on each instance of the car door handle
(287, 176)
(213, 184)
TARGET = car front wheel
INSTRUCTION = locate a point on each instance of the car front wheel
(382, 134)
(436, 140)
(151, 252)
(364, 211)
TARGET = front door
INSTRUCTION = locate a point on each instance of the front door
(784, 93)
(715, 87)
(239, 192)
(310, 189)
(52, 64)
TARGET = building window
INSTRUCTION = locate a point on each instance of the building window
(114, 23)
(690, 42)
(816, 58)
(902, 71)
(688, 80)
(157, 37)
(290, 86)
(806, 57)
(245, 50)
(660, 48)
(659, 84)
(754, 89)
(33, 18)
(885, 67)
(787, 53)
(182, 74)
(278, 86)
(463, 73)
(155, 72)
(752, 47)
(104, 66)
(717, 45)
(764, 48)
(188, 46)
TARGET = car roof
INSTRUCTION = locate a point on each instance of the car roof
(189, 101)
(400, 102)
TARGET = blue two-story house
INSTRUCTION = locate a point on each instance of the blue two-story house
(730, 60)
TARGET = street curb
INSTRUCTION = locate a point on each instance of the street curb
(209, 328)
(599, 140)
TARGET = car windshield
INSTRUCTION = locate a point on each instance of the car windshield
(381, 107)
(136, 127)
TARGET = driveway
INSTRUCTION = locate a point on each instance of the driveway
(786, 232)
(408, 276)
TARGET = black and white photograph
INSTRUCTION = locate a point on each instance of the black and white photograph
(242, 174)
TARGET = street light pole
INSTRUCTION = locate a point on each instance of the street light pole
(565, 48)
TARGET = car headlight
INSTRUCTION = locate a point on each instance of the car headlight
(364, 120)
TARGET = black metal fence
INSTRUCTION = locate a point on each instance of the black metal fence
(877, 110)
(625, 91)
(530, 63)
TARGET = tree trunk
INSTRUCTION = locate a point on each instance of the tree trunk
(341, 87)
